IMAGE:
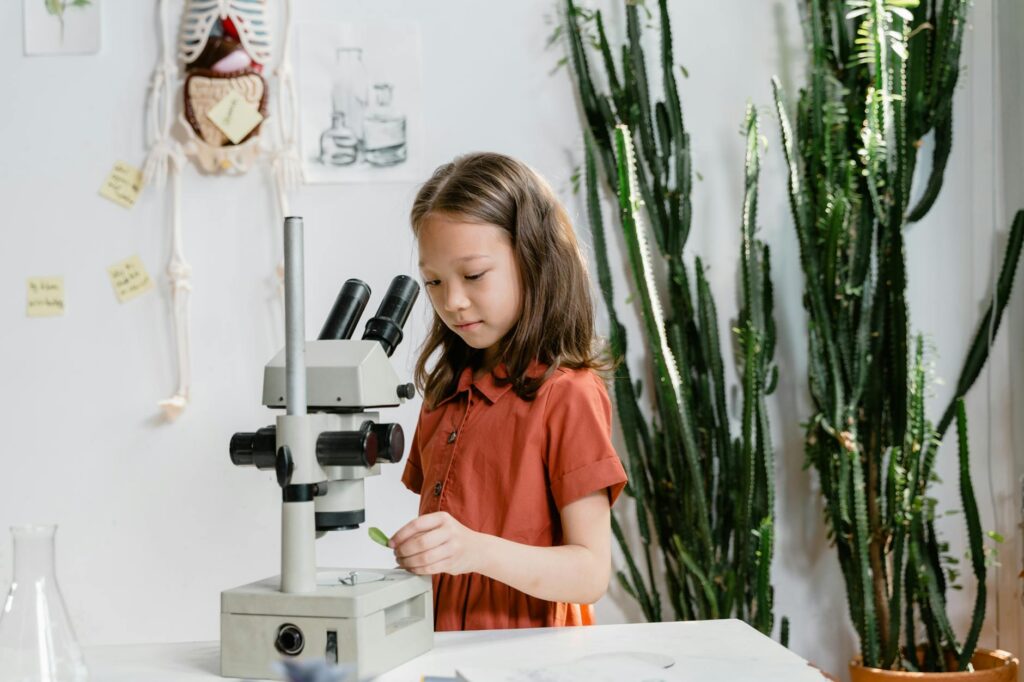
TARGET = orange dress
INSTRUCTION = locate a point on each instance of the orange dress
(504, 466)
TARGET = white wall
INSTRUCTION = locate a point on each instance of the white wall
(1009, 155)
(154, 520)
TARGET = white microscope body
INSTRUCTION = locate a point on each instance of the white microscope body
(322, 449)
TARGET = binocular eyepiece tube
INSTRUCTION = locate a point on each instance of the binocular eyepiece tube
(346, 311)
(384, 327)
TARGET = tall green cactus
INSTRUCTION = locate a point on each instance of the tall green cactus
(881, 76)
(704, 497)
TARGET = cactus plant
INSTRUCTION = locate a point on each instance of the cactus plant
(704, 496)
(881, 76)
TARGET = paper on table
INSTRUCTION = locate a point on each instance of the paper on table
(123, 184)
(234, 116)
(605, 669)
(45, 296)
(129, 278)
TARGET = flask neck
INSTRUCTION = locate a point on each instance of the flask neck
(33, 552)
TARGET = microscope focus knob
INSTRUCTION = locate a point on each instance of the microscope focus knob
(255, 449)
(390, 442)
(407, 391)
(284, 466)
(348, 448)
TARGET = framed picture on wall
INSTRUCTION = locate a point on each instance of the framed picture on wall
(55, 27)
(360, 98)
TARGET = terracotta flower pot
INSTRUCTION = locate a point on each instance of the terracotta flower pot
(989, 666)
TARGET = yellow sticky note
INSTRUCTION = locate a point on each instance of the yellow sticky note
(234, 116)
(123, 184)
(129, 278)
(45, 296)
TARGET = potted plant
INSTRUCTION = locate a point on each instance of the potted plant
(882, 75)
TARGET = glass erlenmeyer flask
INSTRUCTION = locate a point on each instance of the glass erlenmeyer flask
(37, 642)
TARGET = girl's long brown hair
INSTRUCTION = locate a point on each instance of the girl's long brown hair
(557, 322)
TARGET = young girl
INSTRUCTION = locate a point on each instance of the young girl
(512, 456)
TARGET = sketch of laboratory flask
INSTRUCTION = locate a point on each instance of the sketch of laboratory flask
(338, 144)
(349, 93)
(384, 129)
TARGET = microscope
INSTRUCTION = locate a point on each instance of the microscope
(322, 448)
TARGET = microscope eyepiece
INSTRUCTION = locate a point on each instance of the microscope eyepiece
(386, 325)
(347, 309)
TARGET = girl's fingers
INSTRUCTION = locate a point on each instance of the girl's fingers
(418, 525)
(425, 560)
(424, 542)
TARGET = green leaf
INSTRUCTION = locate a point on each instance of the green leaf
(995, 536)
(378, 536)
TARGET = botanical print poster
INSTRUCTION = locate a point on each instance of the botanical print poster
(61, 26)
(360, 98)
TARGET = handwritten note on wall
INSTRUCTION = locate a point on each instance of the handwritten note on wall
(45, 296)
(129, 278)
(122, 185)
(234, 116)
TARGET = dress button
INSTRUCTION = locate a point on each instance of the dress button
(452, 436)
(437, 489)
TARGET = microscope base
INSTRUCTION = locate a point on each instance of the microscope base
(373, 619)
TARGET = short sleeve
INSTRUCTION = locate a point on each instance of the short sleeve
(580, 456)
(412, 476)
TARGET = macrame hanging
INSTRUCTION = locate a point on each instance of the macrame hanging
(224, 48)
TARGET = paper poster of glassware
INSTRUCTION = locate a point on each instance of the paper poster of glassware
(54, 27)
(360, 93)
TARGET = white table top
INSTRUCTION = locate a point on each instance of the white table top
(708, 651)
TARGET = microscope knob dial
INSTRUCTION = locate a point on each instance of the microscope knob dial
(348, 448)
(284, 466)
(407, 391)
(255, 449)
(390, 442)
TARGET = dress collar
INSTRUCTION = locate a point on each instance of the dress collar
(488, 384)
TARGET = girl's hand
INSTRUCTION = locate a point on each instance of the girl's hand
(436, 543)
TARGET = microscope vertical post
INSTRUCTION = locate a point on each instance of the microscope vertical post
(295, 316)
(301, 469)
